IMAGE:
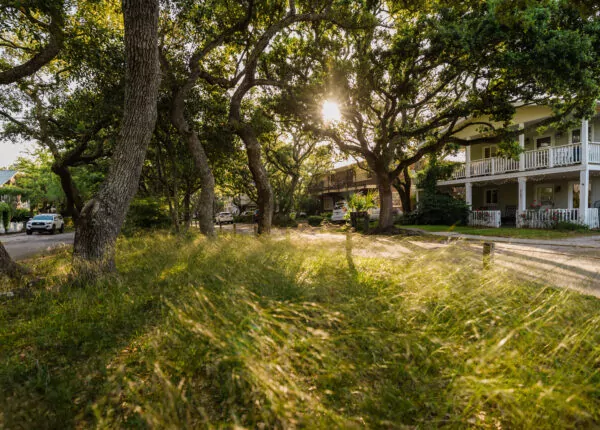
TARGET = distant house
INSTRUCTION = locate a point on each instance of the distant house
(344, 180)
(9, 177)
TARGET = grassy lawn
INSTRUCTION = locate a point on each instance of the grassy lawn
(521, 233)
(276, 334)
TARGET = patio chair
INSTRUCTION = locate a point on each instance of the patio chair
(596, 204)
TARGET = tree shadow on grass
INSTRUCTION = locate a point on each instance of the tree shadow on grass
(56, 345)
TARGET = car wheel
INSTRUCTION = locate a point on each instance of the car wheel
(53, 231)
(62, 229)
(29, 233)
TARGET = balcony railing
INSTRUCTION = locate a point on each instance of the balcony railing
(543, 158)
(342, 185)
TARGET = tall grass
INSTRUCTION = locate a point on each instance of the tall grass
(284, 334)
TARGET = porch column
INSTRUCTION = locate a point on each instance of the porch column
(522, 146)
(469, 194)
(585, 138)
(468, 162)
(584, 177)
(522, 194)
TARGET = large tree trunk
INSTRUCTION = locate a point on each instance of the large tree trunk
(386, 214)
(207, 180)
(102, 217)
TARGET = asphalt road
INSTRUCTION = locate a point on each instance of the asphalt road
(21, 246)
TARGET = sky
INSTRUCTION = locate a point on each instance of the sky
(9, 152)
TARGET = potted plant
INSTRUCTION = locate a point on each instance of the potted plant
(359, 204)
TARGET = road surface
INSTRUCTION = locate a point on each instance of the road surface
(20, 246)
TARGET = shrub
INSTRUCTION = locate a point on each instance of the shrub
(21, 215)
(434, 208)
(280, 220)
(5, 214)
(243, 219)
(145, 213)
(326, 215)
(570, 226)
(315, 220)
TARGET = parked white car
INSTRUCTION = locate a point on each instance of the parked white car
(224, 218)
(49, 223)
(339, 211)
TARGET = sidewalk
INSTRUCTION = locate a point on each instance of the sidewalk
(580, 242)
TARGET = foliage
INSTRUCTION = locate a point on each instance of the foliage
(439, 208)
(297, 335)
(21, 215)
(315, 220)
(435, 207)
(570, 226)
(359, 202)
(5, 214)
(283, 220)
(145, 213)
(412, 82)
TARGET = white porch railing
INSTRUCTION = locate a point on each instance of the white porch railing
(593, 218)
(484, 219)
(594, 152)
(547, 218)
(459, 172)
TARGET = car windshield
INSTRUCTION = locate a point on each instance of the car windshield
(43, 217)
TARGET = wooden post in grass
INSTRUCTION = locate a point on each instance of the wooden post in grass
(366, 222)
(488, 254)
(234, 228)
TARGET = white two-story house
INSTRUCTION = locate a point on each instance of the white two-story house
(555, 178)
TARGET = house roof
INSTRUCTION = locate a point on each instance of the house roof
(6, 175)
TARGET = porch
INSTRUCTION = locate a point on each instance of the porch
(539, 201)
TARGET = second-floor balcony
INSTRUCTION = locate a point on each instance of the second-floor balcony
(343, 186)
(542, 158)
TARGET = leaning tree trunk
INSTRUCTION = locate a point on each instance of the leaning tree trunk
(261, 180)
(102, 217)
(386, 212)
(207, 180)
(73, 197)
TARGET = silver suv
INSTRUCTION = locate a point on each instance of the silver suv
(49, 223)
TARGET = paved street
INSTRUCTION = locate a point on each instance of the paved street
(21, 246)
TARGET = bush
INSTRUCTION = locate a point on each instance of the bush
(439, 209)
(21, 215)
(284, 221)
(315, 220)
(243, 219)
(146, 214)
(570, 226)
(5, 214)
(326, 215)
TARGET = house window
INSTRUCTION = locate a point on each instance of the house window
(490, 151)
(576, 134)
(491, 197)
(545, 195)
(543, 142)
